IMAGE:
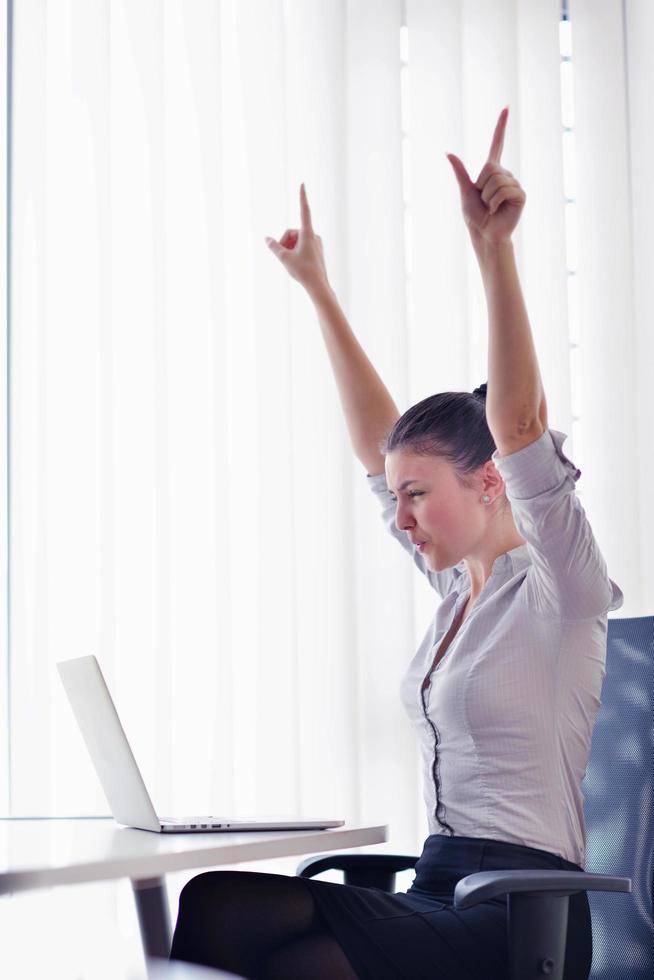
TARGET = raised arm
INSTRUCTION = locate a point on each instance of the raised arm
(516, 410)
(369, 409)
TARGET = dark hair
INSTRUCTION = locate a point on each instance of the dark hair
(451, 424)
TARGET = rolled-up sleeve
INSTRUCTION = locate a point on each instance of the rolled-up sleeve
(568, 576)
(443, 582)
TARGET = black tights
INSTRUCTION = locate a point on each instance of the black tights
(260, 926)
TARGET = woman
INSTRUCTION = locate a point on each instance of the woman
(505, 686)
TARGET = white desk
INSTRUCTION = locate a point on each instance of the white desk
(43, 853)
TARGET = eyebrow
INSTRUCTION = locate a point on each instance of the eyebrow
(407, 483)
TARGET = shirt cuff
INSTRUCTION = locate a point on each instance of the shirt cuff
(536, 468)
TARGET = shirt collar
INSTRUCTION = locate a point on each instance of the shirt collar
(513, 561)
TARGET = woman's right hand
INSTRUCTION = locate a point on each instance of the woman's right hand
(300, 250)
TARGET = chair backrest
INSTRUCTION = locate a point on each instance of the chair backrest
(619, 804)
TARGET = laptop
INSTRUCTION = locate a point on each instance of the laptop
(128, 799)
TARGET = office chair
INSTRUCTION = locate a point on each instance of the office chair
(619, 810)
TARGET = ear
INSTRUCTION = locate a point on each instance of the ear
(491, 477)
(491, 471)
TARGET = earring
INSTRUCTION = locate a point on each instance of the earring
(486, 498)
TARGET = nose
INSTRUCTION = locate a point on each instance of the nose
(403, 519)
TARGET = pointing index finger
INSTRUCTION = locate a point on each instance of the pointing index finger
(498, 137)
(304, 210)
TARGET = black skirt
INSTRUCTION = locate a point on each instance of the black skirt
(419, 935)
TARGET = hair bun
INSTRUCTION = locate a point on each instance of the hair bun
(481, 390)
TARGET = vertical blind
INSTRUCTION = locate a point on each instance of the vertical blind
(182, 497)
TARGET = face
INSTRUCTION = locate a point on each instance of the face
(435, 508)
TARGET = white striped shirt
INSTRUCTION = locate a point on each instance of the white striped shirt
(514, 698)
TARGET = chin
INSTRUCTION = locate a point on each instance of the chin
(437, 566)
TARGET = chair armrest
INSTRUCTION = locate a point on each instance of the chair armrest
(363, 870)
(484, 885)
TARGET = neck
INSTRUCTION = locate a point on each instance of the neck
(480, 564)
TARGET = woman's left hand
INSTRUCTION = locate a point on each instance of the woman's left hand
(493, 204)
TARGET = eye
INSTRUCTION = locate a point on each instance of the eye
(412, 493)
